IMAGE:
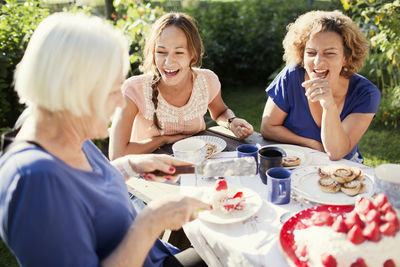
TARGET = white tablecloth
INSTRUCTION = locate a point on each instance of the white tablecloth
(255, 241)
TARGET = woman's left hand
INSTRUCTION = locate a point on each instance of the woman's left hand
(318, 89)
(241, 128)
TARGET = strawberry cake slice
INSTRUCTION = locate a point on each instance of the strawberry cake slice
(225, 199)
(367, 236)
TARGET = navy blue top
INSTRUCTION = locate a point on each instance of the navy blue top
(288, 94)
(54, 215)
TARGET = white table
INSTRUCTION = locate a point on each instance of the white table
(255, 241)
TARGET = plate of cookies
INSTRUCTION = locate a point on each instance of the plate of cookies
(295, 156)
(332, 184)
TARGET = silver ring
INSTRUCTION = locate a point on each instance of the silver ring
(321, 91)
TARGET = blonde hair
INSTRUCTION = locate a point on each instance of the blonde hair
(195, 47)
(355, 44)
(71, 64)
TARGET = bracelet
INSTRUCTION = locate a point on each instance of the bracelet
(230, 120)
(128, 169)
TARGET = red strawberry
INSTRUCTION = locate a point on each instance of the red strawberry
(355, 235)
(359, 263)
(301, 251)
(386, 207)
(353, 219)
(371, 232)
(221, 185)
(328, 260)
(391, 216)
(238, 194)
(380, 200)
(363, 205)
(339, 225)
(322, 218)
(389, 263)
(388, 229)
(229, 207)
(373, 216)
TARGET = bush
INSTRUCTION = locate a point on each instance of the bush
(17, 23)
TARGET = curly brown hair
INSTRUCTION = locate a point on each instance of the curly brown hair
(356, 46)
(195, 47)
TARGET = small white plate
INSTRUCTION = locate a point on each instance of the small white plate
(293, 150)
(253, 205)
(305, 184)
(209, 139)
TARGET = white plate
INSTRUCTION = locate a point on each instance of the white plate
(209, 139)
(293, 150)
(253, 205)
(305, 184)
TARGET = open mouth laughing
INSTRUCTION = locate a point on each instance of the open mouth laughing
(170, 73)
(320, 73)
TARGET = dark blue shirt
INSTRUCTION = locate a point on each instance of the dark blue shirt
(54, 215)
(288, 94)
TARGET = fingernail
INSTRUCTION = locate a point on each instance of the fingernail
(146, 176)
(211, 207)
(168, 178)
(171, 169)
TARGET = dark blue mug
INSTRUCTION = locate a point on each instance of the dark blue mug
(279, 185)
(248, 150)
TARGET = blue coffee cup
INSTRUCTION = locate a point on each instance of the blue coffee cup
(248, 150)
(278, 185)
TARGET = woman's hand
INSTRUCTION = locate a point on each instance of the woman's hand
(145, 164)
(174, 211)
(318, 89)
(241, 128)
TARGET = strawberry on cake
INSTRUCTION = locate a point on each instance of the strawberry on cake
(367, 236)
(225, 199)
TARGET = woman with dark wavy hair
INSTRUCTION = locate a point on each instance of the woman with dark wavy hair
(168, 102)
(318, 100)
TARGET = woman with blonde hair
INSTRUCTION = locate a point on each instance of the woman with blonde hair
(168, 102)
(318, 100)
(62, 202)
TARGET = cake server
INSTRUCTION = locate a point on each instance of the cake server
(225, 167)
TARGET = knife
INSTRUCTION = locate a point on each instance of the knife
(218, 168)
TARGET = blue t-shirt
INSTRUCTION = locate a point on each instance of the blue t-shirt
(54, 215)
(288, 94)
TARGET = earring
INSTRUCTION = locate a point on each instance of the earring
(345, 69)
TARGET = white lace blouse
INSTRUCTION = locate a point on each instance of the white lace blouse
(188, 119)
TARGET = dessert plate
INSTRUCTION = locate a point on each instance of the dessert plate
(253, 205)
(305, 184)
(296, 222)
(213, 140)
(293, 150)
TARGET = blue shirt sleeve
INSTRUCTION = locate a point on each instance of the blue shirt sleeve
(366, 96)
(51, 234)
(277, 90)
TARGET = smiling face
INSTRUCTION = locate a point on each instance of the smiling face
(324, 56)
(172, 56)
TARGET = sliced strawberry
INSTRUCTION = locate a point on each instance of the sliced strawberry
(386, 208)
(328, 260)
(221, 185)
(371, 232)
(380, 200)
(388, 229)
(353, 219)
(373, 216)
(355, 235)
(359, 263)
(322, 218)
(364, 205)
(301, 251)
(339, 225)
(389, 263)
(238, 194)
(229, 207)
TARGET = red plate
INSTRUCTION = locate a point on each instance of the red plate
(299, 221)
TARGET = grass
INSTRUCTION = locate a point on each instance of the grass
(379, 145)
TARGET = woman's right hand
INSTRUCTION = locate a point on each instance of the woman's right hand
(174, 211)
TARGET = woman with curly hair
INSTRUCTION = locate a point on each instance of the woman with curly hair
(168, 102)
(318, 100)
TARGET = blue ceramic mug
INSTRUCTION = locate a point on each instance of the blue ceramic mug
(248, 150)
(278, 185)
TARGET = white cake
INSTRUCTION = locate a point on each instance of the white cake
(362, 237)
(223, 198)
